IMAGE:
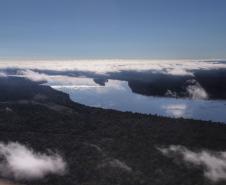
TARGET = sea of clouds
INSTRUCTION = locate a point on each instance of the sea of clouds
(174, 67)
(25, 68)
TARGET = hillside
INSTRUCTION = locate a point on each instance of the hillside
(102, 147)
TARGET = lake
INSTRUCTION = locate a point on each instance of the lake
(116, 94)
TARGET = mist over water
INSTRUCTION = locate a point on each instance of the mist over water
(117, 95)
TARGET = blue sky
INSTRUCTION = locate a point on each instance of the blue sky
(155, 29)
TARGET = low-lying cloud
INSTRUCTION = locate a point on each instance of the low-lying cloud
(173, 67)
(57, 80)
(177, 110)
(34, 76)
(213, 163)
(21, 162)
(3, 74)
(195, 90)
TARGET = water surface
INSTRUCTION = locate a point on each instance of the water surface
(117, 95)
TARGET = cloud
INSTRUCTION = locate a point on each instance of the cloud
(34, 76)
(3, 74)
(177, 110)
(20, 162)
(177, 71)
(57, 80)
(173, 67)
(214, 163)
(195, 90)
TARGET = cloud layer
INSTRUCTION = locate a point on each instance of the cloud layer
(214, 163)
(20, 162)
(34, 76)
(174, 67)
(57, 80)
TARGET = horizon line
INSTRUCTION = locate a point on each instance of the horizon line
(78, 58)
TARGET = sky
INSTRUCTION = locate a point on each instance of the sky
(153, 29)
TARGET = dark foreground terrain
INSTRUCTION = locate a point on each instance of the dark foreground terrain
(102, 147)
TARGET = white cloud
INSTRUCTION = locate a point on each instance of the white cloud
(214, 163)
(196, 91)
(57, 80)
(34, 76)
(21, 162)
(177, 71)
(177, 110)
(3, 74)
(174, 67)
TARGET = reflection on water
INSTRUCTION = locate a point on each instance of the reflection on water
(117, 95)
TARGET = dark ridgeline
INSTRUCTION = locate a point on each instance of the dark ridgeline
(14, 89)
(92, 139)
(157, 84)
